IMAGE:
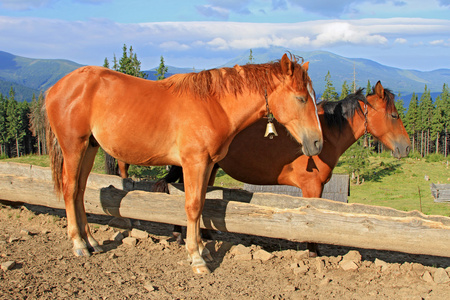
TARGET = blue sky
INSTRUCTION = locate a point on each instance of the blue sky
(207, 33)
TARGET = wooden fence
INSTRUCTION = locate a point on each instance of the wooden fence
(264, 214)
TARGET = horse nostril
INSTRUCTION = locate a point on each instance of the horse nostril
(407, 150)
(318, 145)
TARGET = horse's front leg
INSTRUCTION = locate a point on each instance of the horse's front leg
(195, 182)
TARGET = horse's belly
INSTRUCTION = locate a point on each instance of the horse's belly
(140, 149)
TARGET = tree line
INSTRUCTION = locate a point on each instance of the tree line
(427, 120)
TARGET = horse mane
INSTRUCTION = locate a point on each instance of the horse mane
(389, 99)
(337, 113)
(215, 83)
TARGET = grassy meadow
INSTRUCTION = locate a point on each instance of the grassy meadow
(399, 184)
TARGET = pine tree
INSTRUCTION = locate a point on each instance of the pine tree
(115, 64)
(37, 122)
(438, 122)
(400, 106)
(14, 121)
(3, 125)
(106, 63)
(330, 93)
(250, 57)
(344, 91)
(426, 109)
(357, 161)
(128, 63)
(445, 114)
(162, 70)
(368, 88)
(411, 121)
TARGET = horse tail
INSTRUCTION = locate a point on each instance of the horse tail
(175, 173)
(55, 154)
(111, 167)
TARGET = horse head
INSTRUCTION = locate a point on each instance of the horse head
(383, 121)
(293, 104)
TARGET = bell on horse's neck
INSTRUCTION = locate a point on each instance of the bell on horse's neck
(366, 142)
(270, 130)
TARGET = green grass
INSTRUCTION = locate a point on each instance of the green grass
(401, 184)
(390, 183)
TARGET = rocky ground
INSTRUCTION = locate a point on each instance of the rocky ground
(145, 262)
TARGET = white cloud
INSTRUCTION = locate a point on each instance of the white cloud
(23, 4)
(89, 42)
(345, 32)
(173, 45)
(400, 41)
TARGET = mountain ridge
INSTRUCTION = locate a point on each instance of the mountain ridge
(35, 75)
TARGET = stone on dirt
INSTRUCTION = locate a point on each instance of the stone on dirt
(441, 276)
(122, 223)
(131, 241)
(353, 255)
(25, 232)
(427, 277)
(240, 249)
(262, 255)
(117, 236)
(149, 287)
(348, 265)
(6, 266)
(139, 234)
(320, 264)
(381, 264)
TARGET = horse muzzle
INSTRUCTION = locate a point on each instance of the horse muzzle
(401, 149)
(312, 146)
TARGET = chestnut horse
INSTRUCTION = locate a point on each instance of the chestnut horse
(187, 120)
(257, 160)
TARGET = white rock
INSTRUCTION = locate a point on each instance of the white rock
(6, 266)
(441, 276)
(139, 234)
(262, 255)
(348, 265)
(130, 241)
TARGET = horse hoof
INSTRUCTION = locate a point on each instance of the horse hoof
(201, 269)
(179, 238)
(96, 249)
(81, 252)
(207, 257)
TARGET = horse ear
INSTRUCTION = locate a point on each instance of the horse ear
(286, 65)
(379, 90)
(238, 68)
(306, 66)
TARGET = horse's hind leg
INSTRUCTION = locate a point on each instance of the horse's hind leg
(78, 161)
(86, 167)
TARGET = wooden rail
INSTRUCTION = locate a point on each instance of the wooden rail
(278, 216)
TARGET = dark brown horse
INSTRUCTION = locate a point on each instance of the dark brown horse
(187, 120)
(257, 160)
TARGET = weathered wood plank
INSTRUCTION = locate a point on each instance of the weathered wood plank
(440, 192)
(270, 215)
(337, 189)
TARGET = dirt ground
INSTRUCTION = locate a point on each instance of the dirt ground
(37, 263)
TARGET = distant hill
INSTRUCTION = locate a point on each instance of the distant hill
(33, 75)
(22, 93)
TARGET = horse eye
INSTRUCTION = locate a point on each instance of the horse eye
(394, 116)
(301, 99)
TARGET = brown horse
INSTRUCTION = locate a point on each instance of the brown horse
(187, 120)
(257, 160)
